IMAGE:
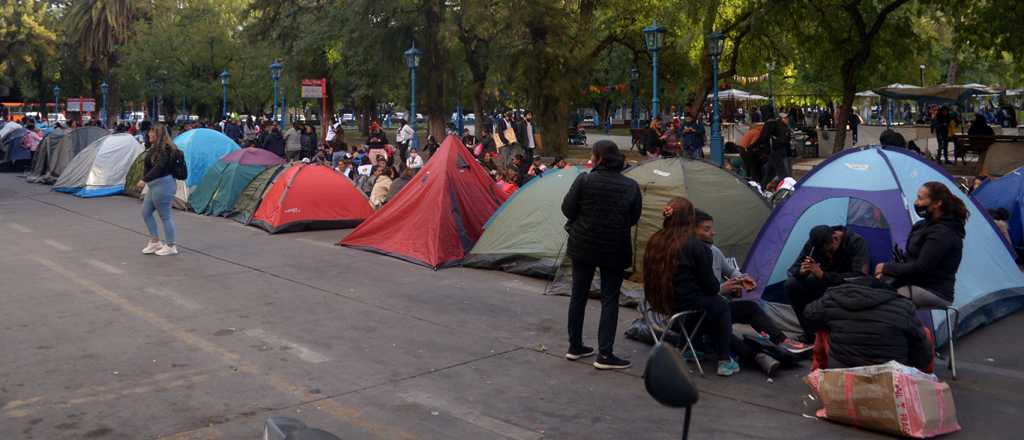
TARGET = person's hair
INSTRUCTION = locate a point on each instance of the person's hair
(700, 216)
(163, 143)
(999, 214)
(609, 154)
(520, 157)
(662, 254)
(980, 119)
(555, 162)
(950, 204)
(891, 138)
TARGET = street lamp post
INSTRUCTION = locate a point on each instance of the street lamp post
(412, 61)
(634, 88)
(771, 94)
(275, 73)
(654, 38)
(921, 67)
(714, 42)
(225, 76)
(56, 103)
(104, 88)
(920, 105)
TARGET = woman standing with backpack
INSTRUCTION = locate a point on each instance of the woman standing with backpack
(163, 160)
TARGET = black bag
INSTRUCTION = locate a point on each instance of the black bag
(179, 169)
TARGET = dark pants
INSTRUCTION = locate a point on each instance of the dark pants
(748, 312)
(776, 167)
(753, 165)
(611, 284)
(801, 292)
(403, 153)
(717, 322)
(942, 136)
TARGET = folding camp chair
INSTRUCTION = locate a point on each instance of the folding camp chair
(951, 327)
(656, 320)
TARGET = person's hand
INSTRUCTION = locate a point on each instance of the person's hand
(879, 270)
(732, 287)
(805, 266)
(139, 185)
(812, 268)
(747, 282)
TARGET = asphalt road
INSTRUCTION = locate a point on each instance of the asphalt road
(101, 342)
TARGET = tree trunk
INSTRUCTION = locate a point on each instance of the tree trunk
(849, 93)
(553, 112)
(479, 106)
(434, 70)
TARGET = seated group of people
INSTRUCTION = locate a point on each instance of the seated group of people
(863, 315)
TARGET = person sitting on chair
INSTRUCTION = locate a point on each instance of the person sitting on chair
(679, 276)
(830, 255)
(933, 250)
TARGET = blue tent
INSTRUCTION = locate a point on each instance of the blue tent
(202, 148)
(871, 191)
(1006, 192)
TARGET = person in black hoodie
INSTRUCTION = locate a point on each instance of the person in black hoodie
(927, 274)
(829, 257)
(602, 206)
(868, 323)
(272, 141)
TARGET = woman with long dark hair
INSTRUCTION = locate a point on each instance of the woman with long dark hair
(927, 274)
(158, 177)
(679, 275)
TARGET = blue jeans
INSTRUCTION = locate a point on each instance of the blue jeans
(159, 199)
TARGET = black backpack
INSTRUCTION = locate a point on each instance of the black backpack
(179, 169)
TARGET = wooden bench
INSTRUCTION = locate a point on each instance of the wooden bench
(997, 155)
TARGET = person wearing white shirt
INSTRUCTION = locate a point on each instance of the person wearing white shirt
(404, 136)
(414, 162)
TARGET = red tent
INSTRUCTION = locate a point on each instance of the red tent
(438, 216)
(311, 196)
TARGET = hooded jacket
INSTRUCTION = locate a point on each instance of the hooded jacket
(851, 260)
(602, 206)
(933, 251)
(868, 324)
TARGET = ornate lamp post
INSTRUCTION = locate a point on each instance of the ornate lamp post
(104, 88)
(56, 102)
(225, 76)
(275, 74)
(715, 42)
(654, 38)
(771, 94)
(634, 88)
(412, 61)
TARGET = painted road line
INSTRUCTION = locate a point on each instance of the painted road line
(103, 266)
(57, 245)
(174, 297)
(344, 413)
(470, 416)
(19, 228)
(299, 350)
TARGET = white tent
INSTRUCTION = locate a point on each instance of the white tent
(737, 95)
(867, 94)
(100, 169)
(8, 128)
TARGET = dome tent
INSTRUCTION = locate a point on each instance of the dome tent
(438, 216)
(100, 169)
(526, 235)
(871, 190)
(310, 196)
(739, 211)
(1006, 192)
(226, 179)
(202, 148)
(58, 156)
(42, 157)
(251, 196)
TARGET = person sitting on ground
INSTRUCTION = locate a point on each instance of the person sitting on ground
(414, 162)
(537, 168)
(830, 256)
(559, 163)
(868, 323)
(400, 183)
(346, 169)
(506, 184)
(927, 274)
(519, 166)
(365, 182)
(890, 138)
(467, 138)
(679, 276)
(743, 312)
(382, 187)
(431, 146)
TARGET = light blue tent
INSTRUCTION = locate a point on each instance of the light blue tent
(1006, 192)
(202, 148)
(871, 191)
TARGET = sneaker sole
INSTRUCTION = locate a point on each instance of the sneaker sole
(601, 366)
(798, 351)
(576, 357)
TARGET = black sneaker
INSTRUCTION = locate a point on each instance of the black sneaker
(611, 362)
(579, 353)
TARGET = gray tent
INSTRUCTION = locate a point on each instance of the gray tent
(39, 161)
(59, 155)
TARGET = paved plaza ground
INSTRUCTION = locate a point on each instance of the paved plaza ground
(101, 342)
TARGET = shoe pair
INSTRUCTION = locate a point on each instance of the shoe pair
(159, 248)
(728, 367)
(603, 362)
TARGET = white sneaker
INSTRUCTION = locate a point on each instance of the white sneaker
(167, 250)
(152, 247)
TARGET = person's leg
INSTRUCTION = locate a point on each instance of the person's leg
(611, 286)
(717, 323)
(148, 207)
(802, 292)
(923, 298)
(164, 197)
(582, 277)
(748, 312)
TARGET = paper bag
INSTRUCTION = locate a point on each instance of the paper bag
(891, 398)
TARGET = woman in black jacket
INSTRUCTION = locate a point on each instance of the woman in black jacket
(158, 170)
(601, 207)
(679, 276)
(928, 273)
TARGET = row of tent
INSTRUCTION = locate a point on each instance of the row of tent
(449, 214)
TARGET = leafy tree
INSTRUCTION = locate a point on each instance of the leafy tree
(96, 29)
(27, 41)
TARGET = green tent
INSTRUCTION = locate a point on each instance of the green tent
(134, 175)
(738, 209)
(250, 198)
(225, 180)
(527, 234)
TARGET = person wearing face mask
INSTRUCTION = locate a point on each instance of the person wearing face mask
(933, 251)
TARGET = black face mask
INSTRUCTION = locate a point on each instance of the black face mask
(922, 211)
